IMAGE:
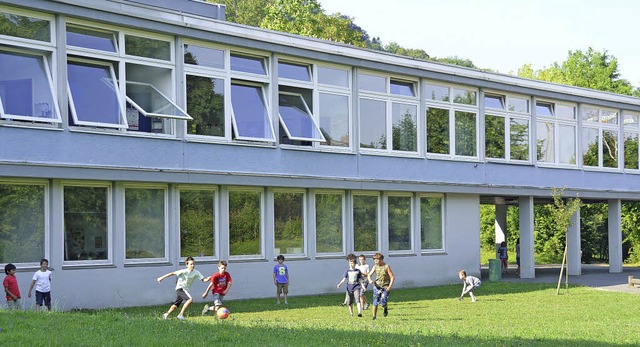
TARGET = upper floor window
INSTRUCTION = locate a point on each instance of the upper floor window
(506, 127)
(248, 64)
(452, 121)
(81, 37)
(556, 131)
(147, 47)
(631, 138)
(25, 26)
(600, 143)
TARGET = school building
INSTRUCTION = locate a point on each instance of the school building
(135, 133)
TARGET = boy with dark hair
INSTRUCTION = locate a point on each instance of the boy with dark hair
(11, 288)
(183, 285)
(220, 283)
(353, 277)
(281, 279)
(382, 285)
(42, 281)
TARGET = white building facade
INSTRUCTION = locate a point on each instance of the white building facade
(136, 133)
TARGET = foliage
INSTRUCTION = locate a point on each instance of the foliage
(244, 222)
(365, 223)
(205, 103)
(197, 223)
(288, 214)
(21, 223)
(24, 27)
(329, 223)
(417, 317)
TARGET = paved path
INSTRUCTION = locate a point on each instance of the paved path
(596, 276)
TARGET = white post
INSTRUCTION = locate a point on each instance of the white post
(527, 260)
(615, 236)
(574, 249)
(500, 224)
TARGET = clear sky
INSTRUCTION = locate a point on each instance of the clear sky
(504, 34)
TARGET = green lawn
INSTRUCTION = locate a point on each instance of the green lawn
(506, 314)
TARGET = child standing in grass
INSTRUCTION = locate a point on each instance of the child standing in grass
(502, 254)
(382, 285)
(183, 285)
(353, 277)
(281, 279)
(42, 281)
(470, 283)
(364, 268)
(220, 284)
(11, 288)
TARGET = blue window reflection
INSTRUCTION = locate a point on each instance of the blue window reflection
(93, 94)
(248, 64)
(297, 119)
(294, 71)
(250, 115)
(402, 88)
(80, 37)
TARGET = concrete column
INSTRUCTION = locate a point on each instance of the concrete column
(574, 255)
(527, 261)
(500, 224)
(615, 236)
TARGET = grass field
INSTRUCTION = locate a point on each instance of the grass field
(506, 314)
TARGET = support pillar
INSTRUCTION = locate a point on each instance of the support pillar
(574, 254)
(527, 261)
(615, 236)
(500, 224)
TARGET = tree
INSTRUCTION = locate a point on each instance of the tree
(561, 214)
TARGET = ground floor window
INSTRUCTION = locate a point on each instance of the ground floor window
(145, 223)
(329, 222)
(197, 223)
(86, 222)
(245, 222)
(22, 222)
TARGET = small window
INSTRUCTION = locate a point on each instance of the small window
(147, 48)
(297, 119)
(438, 93)
(334, 77)
(631, 120)
(464, 96)
(372, 83)
(294, 71)
(402, 88)
(544, 109)
(25, 27)
(565, 111)
(152, 103)
(494, 101)
(93, 95)
(91, 39)
(609, 117)
(518, 105)
(590, 115)
(249, 113)
(203, 56)
(248, 64)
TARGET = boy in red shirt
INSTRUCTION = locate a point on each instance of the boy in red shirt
(10, 285)
(219, 285)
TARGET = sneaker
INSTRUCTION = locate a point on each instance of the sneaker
(205, 309)
(373, 318)
(360, 315)
(164, 316)
(366, 306)
(286, 303)
(474, 300)
(181, 318)
(385, 312)
(277, 302)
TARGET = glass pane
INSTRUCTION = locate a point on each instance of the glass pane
(431, 223)
(288, 219)
(372, 83)
(92, 39)
(22, 223)
(402, 88)
(93, 93)
(463, 96)
(590, 152)
(203, 56)
(365, 223)
(434, 92)
(466, 134)
(144, 223)
(334, 77)
(405, 127)
(248, 64)
(146, 47)
(25, 27)
(610, 148)
(631, 151)
(297, 119)
(244, 223)
(24, 87)
(518, 105)
(329, 209)
(334, 119)
(152, 103)
(544, 110)
(631, 120)
(565, 112)
(399, 223)
(567, 144)
(85, 223)
(609, 117)
(197, 223)
(373, 120)
(494, 137)
(438, 131)
(544, 144)
(250, 115)
(590, 115)
(294, 72)
(519, 136)
(494, 101)
(205, 104)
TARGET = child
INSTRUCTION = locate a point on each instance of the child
(470, 283)
(364, 268)
(502, 254)
(281, 279)
(382, 285)
(353, 277)
(183, 285)
(10, 285)
(220, 284)
(42, 281)
(518, 257)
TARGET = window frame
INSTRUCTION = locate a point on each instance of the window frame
(305, 221)
(412, 226)
(167, 226)
(557, 123)
(352, 234)
(442, 223)
(343, 219)
(308, 114)
(262, 246)
(216, 218)
(509, 117)
(35, 15)
(634, 129)
(601, 127)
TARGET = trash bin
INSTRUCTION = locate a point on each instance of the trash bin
(495, 270)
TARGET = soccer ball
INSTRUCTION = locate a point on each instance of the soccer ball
(222, 313)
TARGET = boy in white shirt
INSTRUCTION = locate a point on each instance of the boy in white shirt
(42, 281)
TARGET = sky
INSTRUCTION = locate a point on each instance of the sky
(503, 35)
